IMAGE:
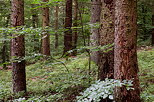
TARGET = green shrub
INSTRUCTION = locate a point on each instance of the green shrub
(102, 90)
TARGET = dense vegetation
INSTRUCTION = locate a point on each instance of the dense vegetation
(71, 75)
(50, 80)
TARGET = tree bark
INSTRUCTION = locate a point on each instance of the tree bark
(4, 49)
(68, 25)
(35, 25)
(153, 28)
(95, 19)
(45, 35)
(18, 47)
(75, 24)
(34, 17)
(56, 25)
(125, 55)
(106, 60)
(4, 46)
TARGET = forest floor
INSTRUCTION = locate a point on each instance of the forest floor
(63, 80)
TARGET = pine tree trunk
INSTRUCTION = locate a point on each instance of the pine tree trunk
(106, 61)
(35, 25)
(56, 25)
(125, 55)
(45, 35)
(75, 31)
(18, 47)
(4, 45)
(95, 19)
(34, 17)
(153, 29)
(68, 25)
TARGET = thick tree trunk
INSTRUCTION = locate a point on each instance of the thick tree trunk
(106, 60)
(68, 25)
(75, 31)
(125, 55)
(45, 35)
(56, 25)
(18, 48)
(95, 19)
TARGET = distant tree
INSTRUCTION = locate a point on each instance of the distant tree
(18, 47)
(125, 54)
(35, 21)
(153, 25)
(45, 36)
(68, 25)
(56, 25)
(96, 7)
(75, 31)
(34, 16)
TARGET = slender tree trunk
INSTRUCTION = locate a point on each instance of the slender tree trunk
(35, 25)
(18, 48)
(82, 29)
(75, 32)
(144, 37)
(45, 35)
(68, 25)
(106, 59)
(125, 55)
(56, 25)
(95, 19)
(34, 17)
(153, 28)
(4, 46)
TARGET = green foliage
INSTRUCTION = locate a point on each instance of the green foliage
(4, 91)
(146, 65)
(50, 81)
(144, 22)
(102, 90)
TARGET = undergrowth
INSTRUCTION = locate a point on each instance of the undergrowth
(63, 80)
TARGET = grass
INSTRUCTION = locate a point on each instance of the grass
(146, 66)
(51, 81)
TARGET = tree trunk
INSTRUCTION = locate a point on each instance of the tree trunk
(56, 25)
(35, 25)
(68, 25)
(45, 35)
(106, 60)
(4, 46)
(95, 19)
(75, 32)
(153, 28)
(125, 55)
(18, 48)
(34, 17)
(145, 33)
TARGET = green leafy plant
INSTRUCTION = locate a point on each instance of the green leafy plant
(102, 90)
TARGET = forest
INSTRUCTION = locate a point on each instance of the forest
(76, 50)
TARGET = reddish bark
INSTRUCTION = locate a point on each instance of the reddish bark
(125, 55)
(45, 35)
(68, 25)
